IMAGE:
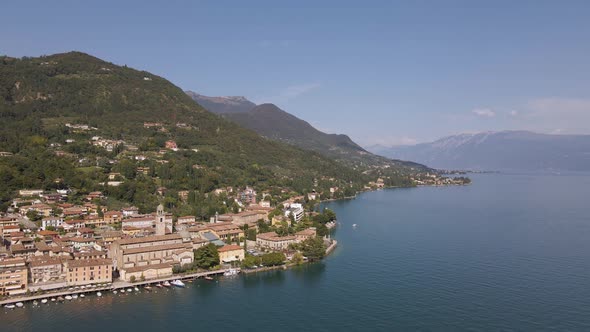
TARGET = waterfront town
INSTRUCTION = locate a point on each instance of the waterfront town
(51, 246)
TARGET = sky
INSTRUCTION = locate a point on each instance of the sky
(383, 72)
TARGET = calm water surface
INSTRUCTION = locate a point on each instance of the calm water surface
(510, 252)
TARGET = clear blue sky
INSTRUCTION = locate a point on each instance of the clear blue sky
(385, 72)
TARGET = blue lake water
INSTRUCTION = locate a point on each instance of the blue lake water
(509, 252)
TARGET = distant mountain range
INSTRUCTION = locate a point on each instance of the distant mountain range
(272, 122)
(230, 104)
(499, 151)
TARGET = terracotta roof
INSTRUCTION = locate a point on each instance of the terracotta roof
(47, 233)
(147, 239)
(44, 261)
(172, 246)
(230, 247)
(89, 262)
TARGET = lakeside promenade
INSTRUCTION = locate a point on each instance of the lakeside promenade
(119, 284)
(116, 285)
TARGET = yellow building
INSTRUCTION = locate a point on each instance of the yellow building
(231, 253)
(88, 271)
(13, 276)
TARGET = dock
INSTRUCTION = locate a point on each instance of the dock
(116, 285)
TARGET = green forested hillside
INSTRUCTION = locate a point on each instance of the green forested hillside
(39, 96)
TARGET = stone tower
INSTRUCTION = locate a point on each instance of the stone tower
(160, 221)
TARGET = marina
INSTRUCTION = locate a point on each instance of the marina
(115, 287)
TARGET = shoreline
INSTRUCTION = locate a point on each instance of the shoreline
(122, 285)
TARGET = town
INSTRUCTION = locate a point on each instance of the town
(52, 246)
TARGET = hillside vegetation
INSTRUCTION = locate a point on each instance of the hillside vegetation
(53, 108)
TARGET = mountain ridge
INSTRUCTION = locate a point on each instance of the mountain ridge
(274, 123)
(510, 150)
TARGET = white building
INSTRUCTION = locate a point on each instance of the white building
(52, 221)
(296, 209)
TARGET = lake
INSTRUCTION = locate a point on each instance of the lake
(509, 252)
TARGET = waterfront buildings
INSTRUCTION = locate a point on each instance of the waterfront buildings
(13, 276)
(82, 272)
(231, 253)
(271, 240)
(160, 252)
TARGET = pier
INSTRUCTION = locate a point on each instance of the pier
(116, 285)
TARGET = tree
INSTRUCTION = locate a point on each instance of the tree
(207, 256)
(273, 259)
(250, 261)
(313, 248)
(132, 279)
(297, 259)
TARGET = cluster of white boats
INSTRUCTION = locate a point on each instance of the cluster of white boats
(165, 284)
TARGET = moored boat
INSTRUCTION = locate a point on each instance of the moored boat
(114, 292)
(68, 297)
(53, 299)
(129, 290)
(178, 283)
(75, 296)
(166, 284)
(9, 306)
(136, 289)
(82, 295)
(44, 301)
(148, 288)
(231, 272)
(99, 294)
(159, 285)
(20, 304)
(208, 278)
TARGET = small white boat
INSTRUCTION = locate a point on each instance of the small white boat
(75, 296)
(129, 290)
(114, 292)
(53, 299)
(148, 288)
(166, 284)
(68, 297)
(136, 289)
(9, 306)
(99, 294)
(178, 283)
(44, 301)
(353, 225)
(231, 272)
(82, 295)
(159, 285)
(20, 304)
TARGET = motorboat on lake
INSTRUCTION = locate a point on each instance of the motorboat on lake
(68, 297)
(178, 283)
(44, 301)
(166, 284)
(9, 306)
(20, 304)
